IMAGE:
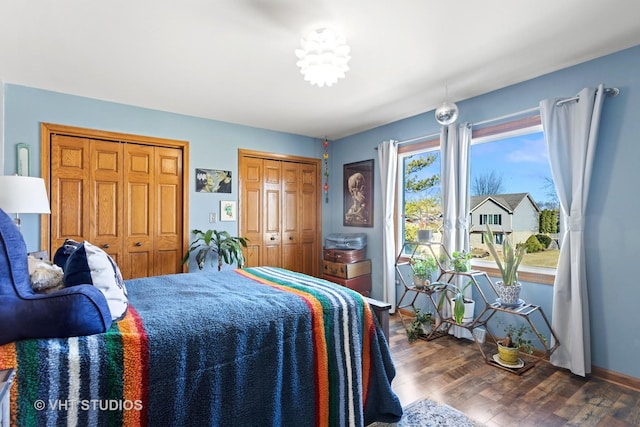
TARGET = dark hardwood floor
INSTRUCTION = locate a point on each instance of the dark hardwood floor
(452, 371)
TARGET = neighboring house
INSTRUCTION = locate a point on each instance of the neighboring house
(513, 214)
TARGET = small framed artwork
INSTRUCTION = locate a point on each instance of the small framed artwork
(358, 194)
(213, 181)
(227, 210)
(22, 154)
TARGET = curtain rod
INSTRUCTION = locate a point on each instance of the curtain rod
(610, 91)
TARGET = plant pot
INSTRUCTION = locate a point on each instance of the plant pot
(508, 355)
(469, 309)
(425, 235)
(420, 282)
(509, 295)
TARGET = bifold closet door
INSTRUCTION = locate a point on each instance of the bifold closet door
(124, 198)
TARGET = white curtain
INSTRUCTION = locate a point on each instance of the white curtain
(388, 161)
(455, 141)
(571, 131)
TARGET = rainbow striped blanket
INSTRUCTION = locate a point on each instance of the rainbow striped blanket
(253, 347)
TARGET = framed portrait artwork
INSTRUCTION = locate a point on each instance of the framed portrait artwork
(213, 181)
(358, 194)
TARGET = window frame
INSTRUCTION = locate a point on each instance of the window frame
(502, 130)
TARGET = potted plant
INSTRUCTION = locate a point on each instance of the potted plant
(423, 268)
(514, 342)
(460, 261)
(462, 308)
(509, 288)
(228, 249)
(420, 325)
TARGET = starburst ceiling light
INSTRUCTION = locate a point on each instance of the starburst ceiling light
(323, 58)
(447, 113)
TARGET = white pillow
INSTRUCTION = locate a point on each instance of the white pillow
(89, 264)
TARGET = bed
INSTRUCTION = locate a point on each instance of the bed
(247, 347)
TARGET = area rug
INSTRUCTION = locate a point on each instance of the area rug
(427, 413)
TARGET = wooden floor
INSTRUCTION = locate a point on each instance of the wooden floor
(451, 371)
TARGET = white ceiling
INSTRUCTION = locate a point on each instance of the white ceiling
(233, 60)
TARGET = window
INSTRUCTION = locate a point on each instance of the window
(511, 191)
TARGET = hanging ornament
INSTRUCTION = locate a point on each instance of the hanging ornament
(325, 156)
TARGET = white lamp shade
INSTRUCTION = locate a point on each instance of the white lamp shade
(23, 194)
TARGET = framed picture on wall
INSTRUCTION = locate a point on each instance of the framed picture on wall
(22, 154)
(227, 210)
(358, 194)
(213, 181)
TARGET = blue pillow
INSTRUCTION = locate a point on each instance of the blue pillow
(62, 254)
(88, 264)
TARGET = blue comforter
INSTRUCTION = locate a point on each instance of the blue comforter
(253, 347)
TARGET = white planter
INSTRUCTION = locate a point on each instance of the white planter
(425, 235)
(469, 309)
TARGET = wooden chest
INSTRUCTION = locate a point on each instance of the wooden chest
(360, 284)
(346, 256)
(347, 271)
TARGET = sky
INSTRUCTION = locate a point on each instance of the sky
(521, 161)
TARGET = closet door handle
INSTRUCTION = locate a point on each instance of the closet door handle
(273, 238)
(106, 246)
(138, 243)
(290, 237)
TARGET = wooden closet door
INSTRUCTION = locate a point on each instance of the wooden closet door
(70, 190)
(251, 196)
(106, 196)
(280, 212)
(309, 215)
(168, 210)
(139, 202)
(291, 214)
(271, 214)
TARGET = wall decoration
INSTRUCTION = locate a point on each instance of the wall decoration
(22, 155)
(325, 156)
(358, 194)
(227, 210)
(213, 181)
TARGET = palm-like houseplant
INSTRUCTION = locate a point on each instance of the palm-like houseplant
(509, 288)
(212, 242)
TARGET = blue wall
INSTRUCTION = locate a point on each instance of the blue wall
(212, 144)
(611, 223)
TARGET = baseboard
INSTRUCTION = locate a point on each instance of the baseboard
(616, 378)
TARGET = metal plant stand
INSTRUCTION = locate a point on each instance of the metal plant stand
(445, 283)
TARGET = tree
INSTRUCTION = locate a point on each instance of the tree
(423, 210)
(487, 183)
(548, 222)
(415, 184)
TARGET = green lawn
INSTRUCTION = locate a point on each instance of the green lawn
(547, 259)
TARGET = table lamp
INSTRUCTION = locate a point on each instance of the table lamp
(23, 194)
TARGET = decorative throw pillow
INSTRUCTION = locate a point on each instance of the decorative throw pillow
(45, 276)
(63, 252)
(88, 264)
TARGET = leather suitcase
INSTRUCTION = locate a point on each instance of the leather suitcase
(346, 271)
(342, 255)
(360, 284)
(345, 241)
